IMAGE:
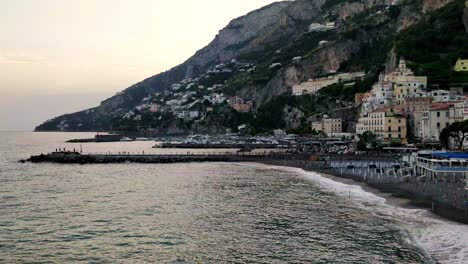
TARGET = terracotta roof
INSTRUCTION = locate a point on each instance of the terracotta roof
(441, 106)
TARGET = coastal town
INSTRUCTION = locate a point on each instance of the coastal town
(400, 109)
(395, 144)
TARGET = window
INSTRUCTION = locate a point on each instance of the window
(438, 125)
(399, 120)
(399, 135)
(399, 129)
(446, 114)
(389, 129)
(438, 114)
(389, 135)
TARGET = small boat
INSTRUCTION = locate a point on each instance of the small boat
(126, 139)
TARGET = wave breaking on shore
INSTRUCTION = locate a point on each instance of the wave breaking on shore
(445, 241)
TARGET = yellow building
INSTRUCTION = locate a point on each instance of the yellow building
(408, 86)
(387, 124)
(461, 65)
(395, 127)
(328, 126)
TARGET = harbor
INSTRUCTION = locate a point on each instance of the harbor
(436, 180)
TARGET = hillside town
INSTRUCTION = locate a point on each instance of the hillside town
(191, 99)
(400, 106)
(399, 109)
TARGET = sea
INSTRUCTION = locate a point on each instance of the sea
(201, 213)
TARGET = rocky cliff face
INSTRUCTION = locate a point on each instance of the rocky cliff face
(430, 5)
(257, 36)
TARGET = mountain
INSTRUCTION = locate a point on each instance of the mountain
(260, 56)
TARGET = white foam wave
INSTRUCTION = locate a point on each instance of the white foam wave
(444, 240)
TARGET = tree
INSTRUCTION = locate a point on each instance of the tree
(367, 140)
(395, 143)
(457, 131)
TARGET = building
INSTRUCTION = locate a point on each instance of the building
(440, 95)
(393, 88)
(401, 71)
(406, 84)
(443, 166)
(414, 108)
(458, 112)
(279, 133)
(381, 96)
(243, 108)
(386, 123)
(409, 86)
(395, 127)
(457, 92)
(417, 104)
(235, 100)
(434, 120)
(372, 121)
(461, 65)
(328, 126)
(312, 86)
(314, 27)
(154, 108)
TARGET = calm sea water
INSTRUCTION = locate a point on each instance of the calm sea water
(180, 213)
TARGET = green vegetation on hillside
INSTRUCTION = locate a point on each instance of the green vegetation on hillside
(435, 43)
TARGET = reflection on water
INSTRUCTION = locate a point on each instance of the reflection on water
(181, 213)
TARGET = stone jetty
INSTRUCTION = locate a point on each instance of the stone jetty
(78, 158)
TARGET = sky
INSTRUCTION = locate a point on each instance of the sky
(62, 56)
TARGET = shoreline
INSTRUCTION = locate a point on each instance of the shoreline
(423, 227)
(394, 196)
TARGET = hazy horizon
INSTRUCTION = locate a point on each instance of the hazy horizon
(62, 56)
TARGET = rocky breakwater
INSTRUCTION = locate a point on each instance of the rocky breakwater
(78, 158)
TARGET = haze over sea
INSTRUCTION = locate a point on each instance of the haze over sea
(200, 212)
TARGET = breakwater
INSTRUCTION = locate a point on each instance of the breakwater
(78, 158)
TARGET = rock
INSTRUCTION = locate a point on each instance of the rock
(431, 5)
(280, 23)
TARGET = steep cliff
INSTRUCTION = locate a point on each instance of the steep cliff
(277, 41)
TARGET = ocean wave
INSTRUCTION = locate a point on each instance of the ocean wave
(445, 241)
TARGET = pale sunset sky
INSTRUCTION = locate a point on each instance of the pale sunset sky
(62, 56)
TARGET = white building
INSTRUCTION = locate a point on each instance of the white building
(279, 132)
(381, 96)
(312, 86)
(434, 120)
(315, 27)
(440, 95)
